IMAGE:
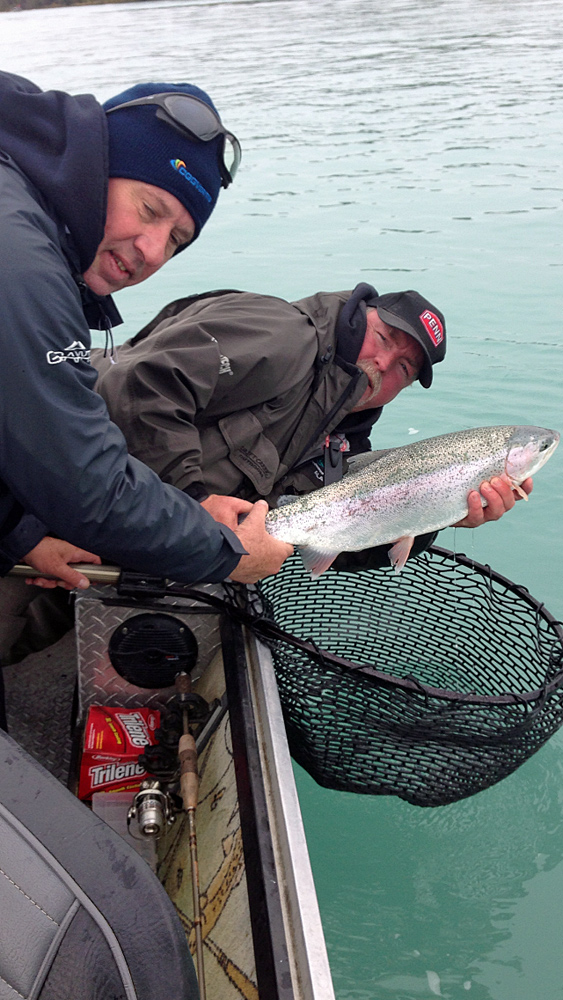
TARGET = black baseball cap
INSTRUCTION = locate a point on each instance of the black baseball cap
(414, 314)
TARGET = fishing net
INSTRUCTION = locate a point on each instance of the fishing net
(431, 685)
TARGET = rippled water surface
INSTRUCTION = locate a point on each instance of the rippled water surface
(408, 145)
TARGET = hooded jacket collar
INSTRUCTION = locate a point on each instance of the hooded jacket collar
(60, 144)
(351, 323)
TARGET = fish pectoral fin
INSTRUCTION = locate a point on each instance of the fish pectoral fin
(516, 487)
(316, 562)
(520, 491)
(399, 552)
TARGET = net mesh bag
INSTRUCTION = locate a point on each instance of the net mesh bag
(450, 676)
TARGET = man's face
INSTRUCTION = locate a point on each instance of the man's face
(391, 360)
(144, 226)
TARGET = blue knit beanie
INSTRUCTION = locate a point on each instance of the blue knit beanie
(142, 147)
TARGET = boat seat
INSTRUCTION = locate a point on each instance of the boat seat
(82, 916)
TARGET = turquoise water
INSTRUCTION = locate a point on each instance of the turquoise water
(409, 145)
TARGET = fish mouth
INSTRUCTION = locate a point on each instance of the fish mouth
(547, 450)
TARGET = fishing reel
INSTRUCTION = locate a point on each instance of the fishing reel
(152, 811)
(161, 759)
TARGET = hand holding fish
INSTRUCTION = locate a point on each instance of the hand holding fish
(227, 510)
(499, 497)
(266, 555)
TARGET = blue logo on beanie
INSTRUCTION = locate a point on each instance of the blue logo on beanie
(180, 166)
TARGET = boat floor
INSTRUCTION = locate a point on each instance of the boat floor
(39, 694)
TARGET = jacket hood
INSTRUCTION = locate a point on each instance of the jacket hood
(60, 144)
(345, 314)
(342, 312)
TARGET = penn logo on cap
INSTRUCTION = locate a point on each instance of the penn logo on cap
(433, 326)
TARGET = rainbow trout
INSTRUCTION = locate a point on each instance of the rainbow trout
(408, 491)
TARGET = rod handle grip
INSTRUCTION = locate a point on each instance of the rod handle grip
(189, 781)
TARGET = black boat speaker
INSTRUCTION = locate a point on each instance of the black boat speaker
(150, 649)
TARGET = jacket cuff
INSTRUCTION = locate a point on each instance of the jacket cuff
(26, 534)
(233, 549)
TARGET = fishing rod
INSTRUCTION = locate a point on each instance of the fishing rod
(189, 786)
(93, 573)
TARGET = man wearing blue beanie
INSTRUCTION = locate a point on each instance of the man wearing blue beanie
(94, 199)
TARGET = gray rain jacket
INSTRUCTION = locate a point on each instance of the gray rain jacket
(64, 466)
(226, 393)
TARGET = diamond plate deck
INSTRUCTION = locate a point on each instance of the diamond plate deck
(39, 693)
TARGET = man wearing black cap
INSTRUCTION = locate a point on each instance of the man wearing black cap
(94, 199)
(250, 395)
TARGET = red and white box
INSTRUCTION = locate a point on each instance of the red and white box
(113, 740)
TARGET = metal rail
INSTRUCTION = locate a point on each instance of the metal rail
(95, 574)
(308, 960)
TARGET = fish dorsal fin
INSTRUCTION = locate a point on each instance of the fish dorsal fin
(316, 562)
(358, 462)
(287, 498)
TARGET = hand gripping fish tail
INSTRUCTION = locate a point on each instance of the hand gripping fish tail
(407, 491)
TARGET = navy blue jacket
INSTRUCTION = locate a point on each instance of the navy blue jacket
(64, 467)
